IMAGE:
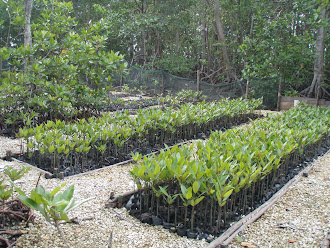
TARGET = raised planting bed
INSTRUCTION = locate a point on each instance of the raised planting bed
(199, 190)
(73, 148)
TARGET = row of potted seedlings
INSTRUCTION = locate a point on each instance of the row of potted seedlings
(198, 189)
(72, 148)
(184, 96)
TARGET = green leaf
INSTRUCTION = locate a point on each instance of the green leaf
(63, 216)
(183, 189)
(51, 149)
(163, 190)
(141, 171)
(59, 204)
(37, 198)
(72, 205)
(227, 194)
(20, 191)
(195, 187)
(54, 191)
(189, 193)
(68, 193)
(198, 200)
(32, 204)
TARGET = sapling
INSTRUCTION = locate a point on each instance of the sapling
(169, 199)
(54, 205)
(4, 194)
(14, 174)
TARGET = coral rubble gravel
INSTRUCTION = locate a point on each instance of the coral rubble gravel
(9, 144)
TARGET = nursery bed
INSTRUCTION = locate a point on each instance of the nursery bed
(299, 219)
(144, 148)
(282, 186)
(301, 215)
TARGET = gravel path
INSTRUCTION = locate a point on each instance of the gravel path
(8, 144)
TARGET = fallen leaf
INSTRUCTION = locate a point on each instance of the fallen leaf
(239, 239)
(245, 244)
(292, 241)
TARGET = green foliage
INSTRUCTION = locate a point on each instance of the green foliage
(183, 96)
(279, 43)
(4, 194)
(230, 162)
(93, 136)
(263, 38)
(52, 205)
(67, 72)
(11, 22)
(14, 174)
(177, 65)
(291, 92)
(265, 88)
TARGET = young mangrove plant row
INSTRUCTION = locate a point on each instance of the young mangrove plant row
(175, 100)
(96, 142)
(204, 185)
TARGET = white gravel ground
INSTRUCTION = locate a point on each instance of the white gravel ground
(8, 144)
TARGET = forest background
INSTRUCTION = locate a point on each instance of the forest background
(224, 40)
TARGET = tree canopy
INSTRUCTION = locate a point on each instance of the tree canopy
(224, 39)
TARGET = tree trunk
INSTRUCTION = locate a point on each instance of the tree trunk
(203, 36)
(27, 28)
(252, 26)
(279, 94)
(198, 79)
(247, 88)
(319, 55)
(221, 38)
(158, 51)
(177, 40)
(144, 47)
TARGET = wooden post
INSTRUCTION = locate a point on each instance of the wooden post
(198, 80)
(279, 94)
(247, 88)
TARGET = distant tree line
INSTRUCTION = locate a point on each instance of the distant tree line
(225, 40)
